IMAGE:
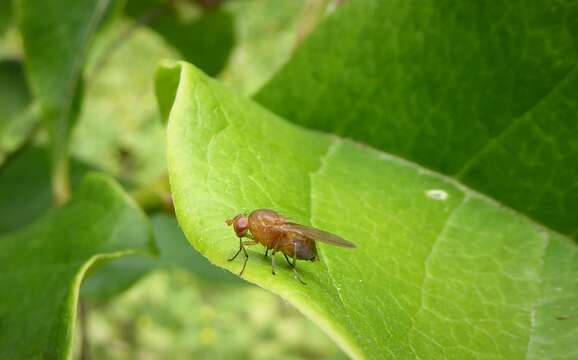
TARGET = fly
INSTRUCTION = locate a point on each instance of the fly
(276, 233)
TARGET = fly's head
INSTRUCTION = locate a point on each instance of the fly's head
(240, 224)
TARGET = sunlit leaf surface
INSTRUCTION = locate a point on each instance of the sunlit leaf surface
(440, 270)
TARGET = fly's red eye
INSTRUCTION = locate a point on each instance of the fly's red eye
(243, 223)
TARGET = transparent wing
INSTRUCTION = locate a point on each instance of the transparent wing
(316, 234)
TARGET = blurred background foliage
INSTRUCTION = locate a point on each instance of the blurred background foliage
(176, 305)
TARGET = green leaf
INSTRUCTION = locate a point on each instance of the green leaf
(17, 114)
(205, 40)
(120, 91)
(266, 34)
(25, 192)
(440, 271)
(482, 92)
(174, 253)
(56, 35)
(25, 196)
(5, 16)
(41, 266)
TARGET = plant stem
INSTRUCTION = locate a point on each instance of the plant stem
(61, 181)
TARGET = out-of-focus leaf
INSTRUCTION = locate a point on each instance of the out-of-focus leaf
(205, 39)
(119, 129)
(14, 94)
(174, 253)
(25, 191)
(266, 34)
(206, 42)
(482, 92)
(41, 266)
(17, 116)
(439, 271)
(171, 315)
(25, 195)
(5, 15)
(56, 35)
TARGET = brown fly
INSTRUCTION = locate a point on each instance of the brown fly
(275, 233)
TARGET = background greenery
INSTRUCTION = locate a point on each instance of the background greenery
(177, 306)
(448, 154)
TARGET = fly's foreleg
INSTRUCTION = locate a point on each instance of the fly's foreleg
(242, 245)
(237, 253)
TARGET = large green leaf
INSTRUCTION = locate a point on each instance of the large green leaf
(440, 271)
(41, 266)
(482, 92)
(56, 35)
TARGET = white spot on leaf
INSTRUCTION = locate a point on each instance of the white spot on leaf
(437, 194)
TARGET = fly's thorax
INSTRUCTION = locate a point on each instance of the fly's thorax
(267, 216)
(263, 224)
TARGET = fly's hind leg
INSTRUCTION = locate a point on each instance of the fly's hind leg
(274, 248)
(273, 261)
(295, 273)
(242, 245)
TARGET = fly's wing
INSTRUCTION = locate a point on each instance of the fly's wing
(316, 234)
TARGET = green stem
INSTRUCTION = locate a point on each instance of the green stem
(61, 181)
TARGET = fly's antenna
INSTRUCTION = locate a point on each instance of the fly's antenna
(231, 221)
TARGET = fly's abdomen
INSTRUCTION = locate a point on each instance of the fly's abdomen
(300, 247)
(306, 250)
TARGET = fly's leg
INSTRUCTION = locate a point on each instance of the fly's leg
(288, 262)
(244, 262)
(242, 245)
(273, 261)
(295, 264)
(273, 265)
(237, 253)
(266, 252)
